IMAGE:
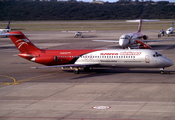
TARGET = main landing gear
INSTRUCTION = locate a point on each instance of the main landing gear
(77, 70)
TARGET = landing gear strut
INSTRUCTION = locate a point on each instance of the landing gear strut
(161, 70)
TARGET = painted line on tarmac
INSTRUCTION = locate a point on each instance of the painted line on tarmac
(16, 82)
(62, 118)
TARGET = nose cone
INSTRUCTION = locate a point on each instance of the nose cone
(164, 62)
(124, 42)
(168, 32)
(170, 63)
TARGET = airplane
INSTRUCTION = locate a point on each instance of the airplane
(134, 40)
(78, 33)
(170, 30)
(7, 29)
(87, 58)
(167, 32)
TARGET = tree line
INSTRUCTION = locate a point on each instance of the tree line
(84, 11)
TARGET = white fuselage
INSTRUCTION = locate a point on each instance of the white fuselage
(169, 30)
(78, 34)
(2, 31)
(128, 39)
(126, 58)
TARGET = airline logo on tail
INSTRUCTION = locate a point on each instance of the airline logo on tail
(21, 42)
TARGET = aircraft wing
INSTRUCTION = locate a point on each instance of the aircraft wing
(7, 34)
(116, 41)
(145, 41)
(67, 65)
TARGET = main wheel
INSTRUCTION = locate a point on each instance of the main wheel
(161, 72)
(76, 70)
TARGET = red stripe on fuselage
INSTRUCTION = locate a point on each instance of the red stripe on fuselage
(47, 57)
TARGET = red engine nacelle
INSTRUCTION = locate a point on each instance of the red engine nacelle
(145, 37)
(47, 60)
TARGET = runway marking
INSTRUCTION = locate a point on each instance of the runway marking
(15, 82)
(62, 118)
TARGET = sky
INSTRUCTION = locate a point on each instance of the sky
(117, 0)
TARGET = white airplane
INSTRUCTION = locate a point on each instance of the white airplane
(5, 30)
(78, 33)
(119, 58)
(134, 40)
(170, 30)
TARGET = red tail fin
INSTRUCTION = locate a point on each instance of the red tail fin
(22, 42)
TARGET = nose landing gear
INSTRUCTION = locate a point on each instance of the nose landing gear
(161, 70)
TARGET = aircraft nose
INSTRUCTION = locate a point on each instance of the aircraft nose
(167, 32)
(170, 62)
(123, 42)
(165, 62)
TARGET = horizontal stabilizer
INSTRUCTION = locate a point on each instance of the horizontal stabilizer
(144, 20)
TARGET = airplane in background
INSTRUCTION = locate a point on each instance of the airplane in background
(87, 58)
(134, 40)
(78, 33)
(170, 30)
(5, 30)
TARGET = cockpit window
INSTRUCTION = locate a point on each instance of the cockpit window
(157, 54)
(124, 37)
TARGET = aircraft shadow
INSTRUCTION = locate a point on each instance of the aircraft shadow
(7, 47)
(123, 75)
(108, 71)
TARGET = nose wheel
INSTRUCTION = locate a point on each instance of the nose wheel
(161, 70)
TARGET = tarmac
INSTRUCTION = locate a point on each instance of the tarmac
(101, 94)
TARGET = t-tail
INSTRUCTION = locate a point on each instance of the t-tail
(140, 22)
(23, 44)
(8, 26)
(140, 25)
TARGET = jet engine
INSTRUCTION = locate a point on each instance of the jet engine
(47, 60)
(145, 37)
